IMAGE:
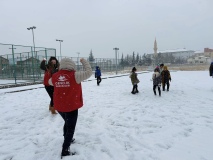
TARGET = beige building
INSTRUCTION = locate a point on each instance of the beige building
(199, 60)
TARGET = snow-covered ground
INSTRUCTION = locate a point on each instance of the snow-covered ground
(114, 124)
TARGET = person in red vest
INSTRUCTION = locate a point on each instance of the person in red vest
(68, 96)
(50, 68)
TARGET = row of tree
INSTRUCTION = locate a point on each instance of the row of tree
(145, 59)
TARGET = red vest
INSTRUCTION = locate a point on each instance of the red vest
(47, 76)
(67, 93)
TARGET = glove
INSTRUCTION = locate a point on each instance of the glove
(170, 79)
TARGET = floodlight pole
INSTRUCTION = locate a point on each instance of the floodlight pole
(60, 45)
(14, 66)
(78, 59)
(116, 49)
(31, 28)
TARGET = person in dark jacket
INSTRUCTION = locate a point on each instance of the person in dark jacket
(50, 68)
(161, 67)
(134, 80)
(166, 77)
(156, 77)
(98, 75)
(211, 70)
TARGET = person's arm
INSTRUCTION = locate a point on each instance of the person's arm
(170, 77)
(43, 65)
(50, 82)
(83, 75)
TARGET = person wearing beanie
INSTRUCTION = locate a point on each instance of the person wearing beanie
(166, 77)
(156, 77)
(49, 69)
(68, 96)
(98, 75)
(134, 80)
(161, 67)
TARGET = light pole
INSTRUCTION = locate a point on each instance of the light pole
(78, 59)
(60, 45)
(14, 66)
(31, 28)
(116, 49)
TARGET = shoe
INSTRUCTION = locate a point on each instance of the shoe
(73, 140)
(66, 152)
(133, 92)
(53, 110)
(167, 89)
(137, 92)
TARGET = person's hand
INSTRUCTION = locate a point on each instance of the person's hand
(81, 60)
(170, 79)
(159, 85)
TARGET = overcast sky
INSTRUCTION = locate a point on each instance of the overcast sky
(101, 25)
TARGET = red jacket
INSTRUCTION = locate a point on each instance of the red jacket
(47, 76)
(67, 93)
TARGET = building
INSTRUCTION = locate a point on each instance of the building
(3, 63)
(208, 52)
(199, 60)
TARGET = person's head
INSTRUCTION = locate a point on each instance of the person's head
(134, 69)
(53, 61)
(97, 67)
(156, 69)
(165, 68)
(67, 64)
(161, 65)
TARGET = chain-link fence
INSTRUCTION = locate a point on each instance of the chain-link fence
(19, 62)
(105, 64)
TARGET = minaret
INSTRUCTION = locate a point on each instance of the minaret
(155, 48)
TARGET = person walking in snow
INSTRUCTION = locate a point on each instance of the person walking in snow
(68, 97)
(161, 67)
(211, 70)
(134, 80)
(98, 75)
(50, 68)
(156, 77)
(166, 77)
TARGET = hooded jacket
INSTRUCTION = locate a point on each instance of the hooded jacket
(67, 85)
(165, 75)
(97, 72)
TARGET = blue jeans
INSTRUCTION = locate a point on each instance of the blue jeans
(70, 120)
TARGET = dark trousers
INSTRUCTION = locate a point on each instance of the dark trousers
(50, 90)
(98, 80)
(166, 84)
(70, 120)
(135, 88)
(154, 89)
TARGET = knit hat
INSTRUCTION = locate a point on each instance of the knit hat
(134, 69)
(67, 64)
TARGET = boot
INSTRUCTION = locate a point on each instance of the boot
(66, 152)
(52, 110)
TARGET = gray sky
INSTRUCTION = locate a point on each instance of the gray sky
(101, 25)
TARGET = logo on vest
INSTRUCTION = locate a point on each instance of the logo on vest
(62, 82)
